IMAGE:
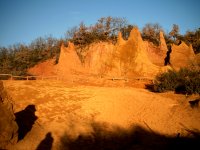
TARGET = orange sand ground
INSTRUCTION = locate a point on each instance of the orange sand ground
(66, 108)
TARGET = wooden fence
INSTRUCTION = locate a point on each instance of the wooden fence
(128, 79)
(12, 77)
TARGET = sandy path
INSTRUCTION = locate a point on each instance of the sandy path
(66, 109)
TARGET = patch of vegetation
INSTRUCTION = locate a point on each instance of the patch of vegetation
(185, 81)
(16, 59)
(106, 29)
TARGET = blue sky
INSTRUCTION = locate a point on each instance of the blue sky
(22, 21)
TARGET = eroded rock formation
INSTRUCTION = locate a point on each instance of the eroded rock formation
(133, 56)
(8, 126)
(157, 54)
(127, 58)
(69, 62)
(46, 68)
(181, 56)
(120, 40)
(98, 58)
(163, 45)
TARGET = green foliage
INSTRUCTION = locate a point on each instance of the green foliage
(106, 29)
(193, 37)
(18, 58)
(182, 81)
(126, 31)
(151, 33)
(174, 32)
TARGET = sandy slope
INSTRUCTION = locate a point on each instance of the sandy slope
(66, 109)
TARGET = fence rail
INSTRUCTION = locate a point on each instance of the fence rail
(12, 77)
(128, 79)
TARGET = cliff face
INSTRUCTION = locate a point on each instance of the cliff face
(132, 57)
(46, 68)
(120, 40)
(163, 45)
(69, 62)
(181, 55)
(8, 126)
(98, 58)
(157, 54)
(126, 58)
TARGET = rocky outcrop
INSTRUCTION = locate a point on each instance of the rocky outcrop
(69, 62)
(133, 56)
(123, 59)
(163, 45)
(181, 56)
(46, 68)
(98, 59)
(120, 40)
(8, 126)
(157, 54)
(126, 58)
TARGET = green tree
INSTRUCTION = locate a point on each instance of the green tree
(126, 31)
(174, 32)
(151, 32)
(106, 29)
(193, 37)
(71, 33)
(5, 62)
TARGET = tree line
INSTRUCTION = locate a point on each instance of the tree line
(16, 59)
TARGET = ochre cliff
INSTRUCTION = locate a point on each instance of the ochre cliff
(127, 58)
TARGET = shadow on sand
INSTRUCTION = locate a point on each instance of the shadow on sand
(136, 138)
(46, 144)
(25, 120)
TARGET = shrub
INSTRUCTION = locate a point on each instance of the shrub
(183, 81)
